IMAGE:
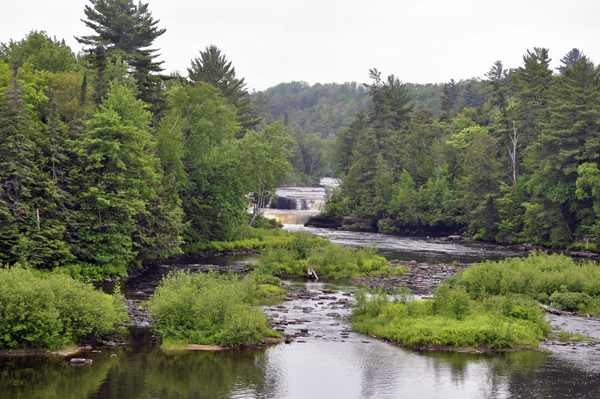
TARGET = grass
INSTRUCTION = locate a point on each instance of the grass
(564, 336)
(452, 319)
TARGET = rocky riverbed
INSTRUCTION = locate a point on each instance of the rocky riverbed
(314, 314)
(421, 279)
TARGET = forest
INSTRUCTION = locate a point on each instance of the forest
(519, 167)
(107, 162)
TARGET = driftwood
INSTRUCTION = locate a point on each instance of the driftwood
(311, 272)
(554, 310)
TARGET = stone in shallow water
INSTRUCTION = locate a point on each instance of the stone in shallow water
(78, 361)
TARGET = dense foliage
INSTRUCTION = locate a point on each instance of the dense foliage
(522, 166)
(452, 318)
(103, 164)
(209, 308)
(52, 310)
(551, 279)
(325, 258)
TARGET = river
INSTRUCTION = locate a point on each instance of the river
(325, 361)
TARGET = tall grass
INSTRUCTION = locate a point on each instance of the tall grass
(451, 319)
(51, 310)
(556, 279)
(209, 308)
(253, 239)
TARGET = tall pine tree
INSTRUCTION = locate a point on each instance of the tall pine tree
(127, 30)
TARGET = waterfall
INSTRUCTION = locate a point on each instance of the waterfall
(294, 205)
(289, 219)
(318, 205)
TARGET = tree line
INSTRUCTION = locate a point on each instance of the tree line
(520, 166)
(105, 162)
(314, 115)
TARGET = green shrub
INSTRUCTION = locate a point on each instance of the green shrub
(570, 300)
(261, 278)
(536, 274)
(453, 302)
(208, 308)
(451, 319)
(52, 310)
(301, 245)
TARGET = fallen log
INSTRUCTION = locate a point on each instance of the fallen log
(554, 310)
(312, 274)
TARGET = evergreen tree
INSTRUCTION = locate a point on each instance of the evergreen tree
(478, 189)
(118, 177)
(29, 229)
(531, 85)
(572, 136)
(497, 81)
(127, 30)
(212, 67)
(359, 185)
(391, 107)
(446, 106)
(344, 144)
(570, 59)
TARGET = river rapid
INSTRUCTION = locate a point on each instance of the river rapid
(326, 359)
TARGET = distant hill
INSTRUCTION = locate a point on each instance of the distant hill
(333, 105)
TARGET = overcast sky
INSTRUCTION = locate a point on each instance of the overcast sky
(323, 41)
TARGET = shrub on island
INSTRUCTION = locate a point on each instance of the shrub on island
(331, 260)
(51, 310)
(451, 319)
(209, 308)
(556, 280)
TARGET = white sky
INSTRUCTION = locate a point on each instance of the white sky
(274, 41)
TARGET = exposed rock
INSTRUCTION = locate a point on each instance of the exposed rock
(421, 278)
(78, 361)
(328, 222)
(357, 223)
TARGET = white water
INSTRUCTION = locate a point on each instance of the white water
(295, 205)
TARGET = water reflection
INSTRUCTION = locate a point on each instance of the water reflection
(315, 369)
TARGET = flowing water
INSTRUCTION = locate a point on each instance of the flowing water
(326, 360)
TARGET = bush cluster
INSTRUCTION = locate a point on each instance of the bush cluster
(326, 259)
(209, 308)
(52, 310)
(551, 279)
(451, 318)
